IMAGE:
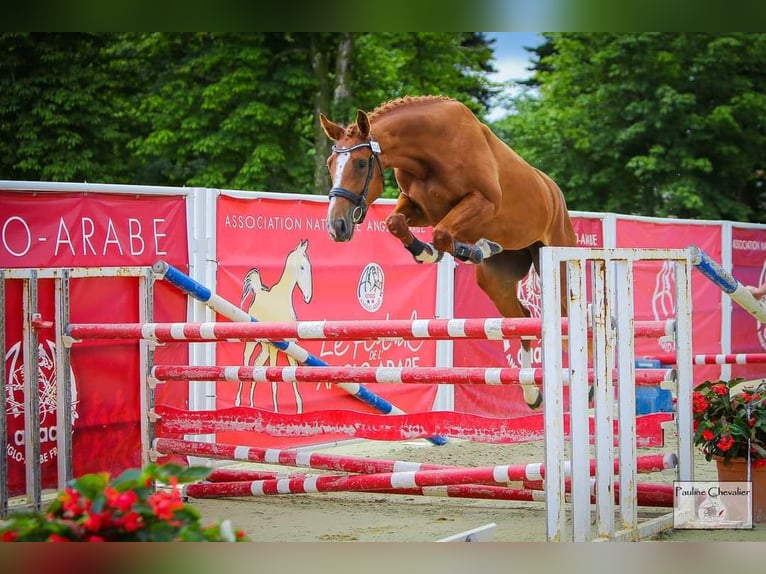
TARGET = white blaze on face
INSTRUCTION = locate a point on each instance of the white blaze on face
(337, 180)
(340, 165)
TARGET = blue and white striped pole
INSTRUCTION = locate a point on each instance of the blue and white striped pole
(727, 283)
(227, 309)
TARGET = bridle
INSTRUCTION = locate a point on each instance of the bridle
(359, 201)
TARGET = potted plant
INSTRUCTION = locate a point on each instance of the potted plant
(730, 428)
(96, 508)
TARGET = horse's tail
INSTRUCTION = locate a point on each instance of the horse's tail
(250, 285)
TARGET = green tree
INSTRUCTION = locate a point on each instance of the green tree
(225, 110)
(64, 109)
(663, 124)
(221, 110)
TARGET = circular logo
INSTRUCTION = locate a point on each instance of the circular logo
(370, 288)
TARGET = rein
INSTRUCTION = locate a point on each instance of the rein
(359, 201)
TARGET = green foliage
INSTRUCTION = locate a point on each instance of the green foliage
(662, 124)
(220, 110)
(64, 107)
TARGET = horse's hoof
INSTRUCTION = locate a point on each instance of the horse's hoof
(488, 248)
(537, 402)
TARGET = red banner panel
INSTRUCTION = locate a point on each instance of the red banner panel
(654, 285)
(88, 230)
(44, 230)
(470, 301)
(277, 261)
(748, 266)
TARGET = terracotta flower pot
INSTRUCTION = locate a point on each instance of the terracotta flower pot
(736, 471)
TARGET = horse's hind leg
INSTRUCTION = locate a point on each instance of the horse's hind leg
(498, 278)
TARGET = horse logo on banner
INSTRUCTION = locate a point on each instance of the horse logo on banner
(275, 303)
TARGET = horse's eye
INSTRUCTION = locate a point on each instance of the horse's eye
(361, 163)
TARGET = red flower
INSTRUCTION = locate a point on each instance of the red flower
(699, 403)
(9, 536)
(95, 521)
(707, 434)
(725, 443)
(71, 502)
(131, 522)
(164, 505)
(57, 538)
(123, 501)
(719, 389)
(94, 538)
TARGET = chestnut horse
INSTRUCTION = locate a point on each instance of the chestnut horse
(485, 203)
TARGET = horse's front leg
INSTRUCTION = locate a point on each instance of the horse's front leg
(405, 215)
(421, 251)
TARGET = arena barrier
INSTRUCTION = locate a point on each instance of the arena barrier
(612, 315)
(613, 357)
(33, 325)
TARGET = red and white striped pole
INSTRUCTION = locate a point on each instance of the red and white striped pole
(435, 329)
(367, 375)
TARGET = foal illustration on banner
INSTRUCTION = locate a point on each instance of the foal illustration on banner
(275, 303)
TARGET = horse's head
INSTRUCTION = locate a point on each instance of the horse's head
(298, 260)
(355, 184)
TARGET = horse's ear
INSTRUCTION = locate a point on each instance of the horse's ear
(363, 123)
(333, 130)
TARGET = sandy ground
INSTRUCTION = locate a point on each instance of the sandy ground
(369, 517)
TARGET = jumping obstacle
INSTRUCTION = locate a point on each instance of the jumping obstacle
(727, 283)
(715, 359)
(432, 329)
(196, 290)
(384, 375)
(648, 463)
(611, 314)
(659, 495)
(612, 358)
(389, 473)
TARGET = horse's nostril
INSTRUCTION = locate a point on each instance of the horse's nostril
(339, 225)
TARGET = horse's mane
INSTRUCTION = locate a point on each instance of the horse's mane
(398, 103)
(406, 101)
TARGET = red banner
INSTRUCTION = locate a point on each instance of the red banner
(654, 285)
(78, 230)
(89, 230)
(748, 266)
(277, 261)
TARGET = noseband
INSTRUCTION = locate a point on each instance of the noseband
(359, 201)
